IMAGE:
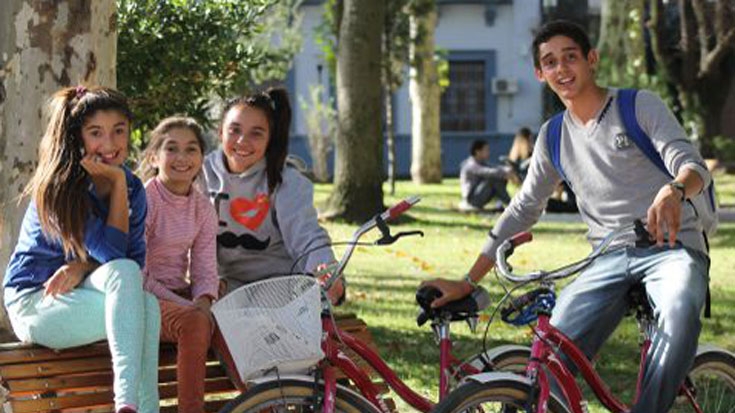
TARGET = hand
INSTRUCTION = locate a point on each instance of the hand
(66, 278)
(204, 303)
(451, 290)
(222, 288)
(337, 290)
(665, 214)
(98, 169)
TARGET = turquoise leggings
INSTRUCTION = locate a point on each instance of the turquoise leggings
(109, 304)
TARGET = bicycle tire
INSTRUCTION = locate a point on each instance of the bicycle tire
(511, 358)
(713, 377)
(497, 395)
(294, 396)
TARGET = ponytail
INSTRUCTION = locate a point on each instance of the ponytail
(277, 150)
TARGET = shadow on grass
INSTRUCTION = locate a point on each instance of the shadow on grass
(725, 237)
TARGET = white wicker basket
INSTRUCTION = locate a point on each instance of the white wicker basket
(273, 323)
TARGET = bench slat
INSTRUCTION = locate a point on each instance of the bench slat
(101, 379)
(54, 368)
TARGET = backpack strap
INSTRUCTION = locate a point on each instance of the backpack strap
(626, 107)
(553, 143)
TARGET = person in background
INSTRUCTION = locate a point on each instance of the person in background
(519, 157)
(480, 183)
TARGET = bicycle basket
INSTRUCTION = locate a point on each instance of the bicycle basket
(273, 323)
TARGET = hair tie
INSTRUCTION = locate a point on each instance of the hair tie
(81, 90)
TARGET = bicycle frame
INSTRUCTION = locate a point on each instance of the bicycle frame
(543, 353)
(334, 356)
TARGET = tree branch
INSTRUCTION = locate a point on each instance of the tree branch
(703, 30)
(723, 18)
(717, 54)
(655, 26)
(689, 58)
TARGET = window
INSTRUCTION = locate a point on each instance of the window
(463, 103)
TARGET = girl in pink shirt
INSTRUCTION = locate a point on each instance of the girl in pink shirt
(181, 261)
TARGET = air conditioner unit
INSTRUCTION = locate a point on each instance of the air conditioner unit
(504, 85)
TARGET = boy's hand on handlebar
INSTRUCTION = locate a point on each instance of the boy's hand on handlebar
(451, 290)
(665, 215)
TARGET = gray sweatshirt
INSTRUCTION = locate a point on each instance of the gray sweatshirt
(260, 235)
(615, 183)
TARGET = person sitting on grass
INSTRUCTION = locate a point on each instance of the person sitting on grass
(480, 183)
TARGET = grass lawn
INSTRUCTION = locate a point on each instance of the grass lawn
(383, 281)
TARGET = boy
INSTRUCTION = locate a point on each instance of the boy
(615, 184)
(480, 183)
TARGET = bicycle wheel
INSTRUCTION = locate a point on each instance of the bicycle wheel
(497, 395)
(511, 358)
(295, 396)
(713, 379)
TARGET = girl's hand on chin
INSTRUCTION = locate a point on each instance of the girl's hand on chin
(98, 169)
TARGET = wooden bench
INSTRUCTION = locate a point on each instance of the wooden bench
(38, 379)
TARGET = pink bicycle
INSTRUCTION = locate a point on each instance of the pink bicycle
(319, 391)
(709, 387)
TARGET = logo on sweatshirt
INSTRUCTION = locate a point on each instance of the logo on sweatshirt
(250, 213)
(622, 141)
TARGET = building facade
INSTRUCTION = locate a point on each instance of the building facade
(492, 90)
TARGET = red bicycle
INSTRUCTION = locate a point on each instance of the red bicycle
(709, 387)
(319, 391)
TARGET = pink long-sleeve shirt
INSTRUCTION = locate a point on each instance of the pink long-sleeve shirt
(181, 251)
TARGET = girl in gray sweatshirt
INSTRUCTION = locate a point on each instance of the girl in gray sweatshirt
(267, 222)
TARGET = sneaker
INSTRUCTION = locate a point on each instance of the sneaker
(465, 206)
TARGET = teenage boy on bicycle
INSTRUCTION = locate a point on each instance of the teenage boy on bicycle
(615, 184)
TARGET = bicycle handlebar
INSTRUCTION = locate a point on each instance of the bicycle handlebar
(507, 248)
(378, 220)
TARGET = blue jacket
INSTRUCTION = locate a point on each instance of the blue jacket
(36, 257)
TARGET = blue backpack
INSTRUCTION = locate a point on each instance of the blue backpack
(705, 204)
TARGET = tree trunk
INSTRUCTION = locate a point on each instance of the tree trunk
(44, 45)
(390, 140)
(358, 191)
(426, 166)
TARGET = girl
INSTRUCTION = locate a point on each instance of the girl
(267, 221)
(74, 277)
(180, 233)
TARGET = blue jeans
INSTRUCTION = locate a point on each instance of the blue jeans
(109, 304)
(590, 308)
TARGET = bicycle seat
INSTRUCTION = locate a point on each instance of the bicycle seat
(457, 310)
(638, 303)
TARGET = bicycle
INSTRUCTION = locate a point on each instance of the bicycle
(320, 392)
(709, 387)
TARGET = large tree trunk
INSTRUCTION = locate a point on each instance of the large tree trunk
(44, 45)
(358, 191)
(426, 164)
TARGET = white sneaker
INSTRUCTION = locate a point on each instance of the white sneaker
(465, 206)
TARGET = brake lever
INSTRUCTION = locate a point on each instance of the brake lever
(389, 239)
